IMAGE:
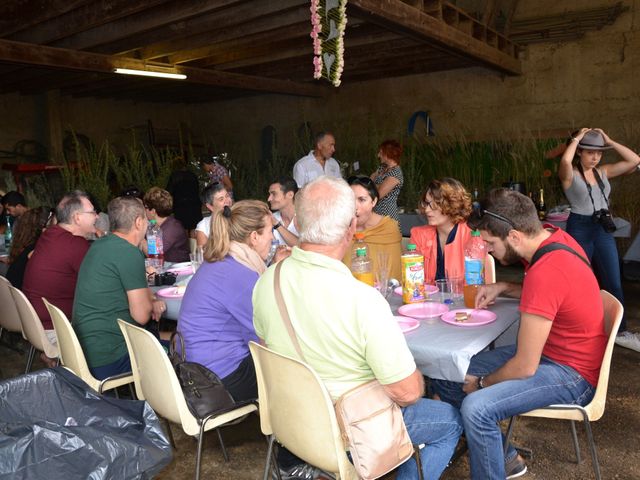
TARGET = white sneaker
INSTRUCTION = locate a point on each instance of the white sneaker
(629, 340)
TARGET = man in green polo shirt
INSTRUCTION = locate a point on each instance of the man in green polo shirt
(346, 330)
(112, 284)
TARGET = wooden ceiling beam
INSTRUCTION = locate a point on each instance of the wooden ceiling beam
(140, 21)
(93, 62)
(400, 17)
(265, 25)
(18, 16)
(230, 24)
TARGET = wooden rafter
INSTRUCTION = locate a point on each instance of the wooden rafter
(472, 40)
(93, 62)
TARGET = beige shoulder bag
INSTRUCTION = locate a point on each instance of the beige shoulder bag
(371, 423)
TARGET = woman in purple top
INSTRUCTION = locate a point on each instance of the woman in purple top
(159, 205)
(216, 315)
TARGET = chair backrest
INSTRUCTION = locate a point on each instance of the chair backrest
(32, 329)
(154, 377)
(490, 270)
(9, 316)
(71, 353)
(296, 408)
(613, 311)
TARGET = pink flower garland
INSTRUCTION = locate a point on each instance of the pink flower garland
(316, 23)
(333, 46)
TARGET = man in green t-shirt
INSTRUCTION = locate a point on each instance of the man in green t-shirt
(112, 284)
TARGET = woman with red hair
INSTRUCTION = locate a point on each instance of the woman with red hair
(388, 179)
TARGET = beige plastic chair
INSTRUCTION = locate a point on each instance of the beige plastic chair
(9, 316)
(32, 329)
(72, 355)
(157, 383)
(490, 270)
(295, 409)
(613, 311)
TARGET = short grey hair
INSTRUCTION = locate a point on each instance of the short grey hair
(123, 212)
(325, 209)
(69, 205)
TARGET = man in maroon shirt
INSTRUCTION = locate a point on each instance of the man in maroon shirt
(53, 267)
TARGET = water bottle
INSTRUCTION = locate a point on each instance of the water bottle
(412, 263)
(361, 267)
(475, 252)
(272, 251)
(8, 233)
(155, 250)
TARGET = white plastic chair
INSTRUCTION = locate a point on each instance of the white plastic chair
(613, 311)
(157, 383)
(296, 410)
(9, 316)
(72, 356)
(32, 329)
(490, 269)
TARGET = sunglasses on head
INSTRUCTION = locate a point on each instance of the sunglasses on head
(481, 212)
(360, 179)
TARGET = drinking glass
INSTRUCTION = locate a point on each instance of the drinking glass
(382, 272)
(456, 289)
(444, 291)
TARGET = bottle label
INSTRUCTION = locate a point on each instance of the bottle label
(151, 245)
(473, 271)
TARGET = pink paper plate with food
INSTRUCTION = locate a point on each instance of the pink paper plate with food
(428, 289)
(469, 317)
(407, 324)
(171, 292)
(423, 310)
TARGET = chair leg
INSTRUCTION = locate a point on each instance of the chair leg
(507, 435)
(224, 450)
(133, 392)
(416, 455)
(199, 454)
(271, 461)
(31, 355)
(592, 445)
(576, 446)
(167, 425)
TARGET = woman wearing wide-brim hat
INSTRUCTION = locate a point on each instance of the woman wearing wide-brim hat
(586, 184)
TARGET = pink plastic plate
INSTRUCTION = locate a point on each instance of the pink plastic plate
(181, 268)
(558, 217)
(169, 292)
(428, 289)
(423, 310)
(478, 317)
(407, 324)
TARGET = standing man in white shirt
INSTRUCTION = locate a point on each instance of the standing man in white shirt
(319, 161)
(281, 196)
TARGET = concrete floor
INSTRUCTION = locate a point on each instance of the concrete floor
(550, 440)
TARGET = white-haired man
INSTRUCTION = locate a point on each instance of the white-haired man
(346, 329)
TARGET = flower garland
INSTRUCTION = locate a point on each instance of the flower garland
(328, 21)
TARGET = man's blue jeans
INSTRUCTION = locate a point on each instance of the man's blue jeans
(482, 410)
(437, 425)
(601, 249)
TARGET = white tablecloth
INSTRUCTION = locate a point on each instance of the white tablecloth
(443, 351)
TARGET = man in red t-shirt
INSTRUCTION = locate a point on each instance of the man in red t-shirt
(53, 268)
(561, 340)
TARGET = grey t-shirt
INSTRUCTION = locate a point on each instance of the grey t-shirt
(578, 195)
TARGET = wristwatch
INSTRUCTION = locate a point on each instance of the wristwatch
(277, 226)
(480, 382)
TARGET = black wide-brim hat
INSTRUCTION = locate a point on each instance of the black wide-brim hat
(593, 140)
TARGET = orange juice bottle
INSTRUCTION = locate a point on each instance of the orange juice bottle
(361, 267)
(412, 263)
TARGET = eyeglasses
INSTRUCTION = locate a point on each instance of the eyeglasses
(432, 205)
(497, 216)
(92, 212)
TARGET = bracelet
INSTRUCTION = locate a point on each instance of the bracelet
(277, 226)
(574, 139)
(480, 382)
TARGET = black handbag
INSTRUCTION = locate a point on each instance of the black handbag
(203, 390)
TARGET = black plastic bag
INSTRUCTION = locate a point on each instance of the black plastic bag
(53, 426)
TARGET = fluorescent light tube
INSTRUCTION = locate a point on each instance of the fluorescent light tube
(150, 73)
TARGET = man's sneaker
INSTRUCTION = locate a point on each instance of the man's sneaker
(304, 471)
(629, 340)
(515, 467)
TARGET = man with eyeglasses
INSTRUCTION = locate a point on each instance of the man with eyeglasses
(53, 268)
(561, 340)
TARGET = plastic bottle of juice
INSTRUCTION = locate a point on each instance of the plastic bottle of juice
(361, 267)
(358, 244)
(412, 263)
(155, 250)
(475, 252)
